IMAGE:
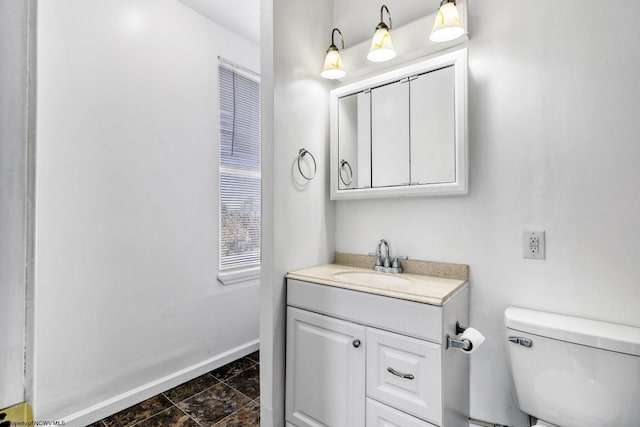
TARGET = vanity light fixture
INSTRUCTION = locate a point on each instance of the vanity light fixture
(447, 25)
(333, 62)
(381, 47)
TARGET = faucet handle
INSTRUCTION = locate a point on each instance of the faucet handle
(396, 261)
(378, 256)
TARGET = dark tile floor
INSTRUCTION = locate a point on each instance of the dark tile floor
(226, 397)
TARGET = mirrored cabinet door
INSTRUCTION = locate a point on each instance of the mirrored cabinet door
(402, 132)
(432, 103)
(354, 141)
(390, 134)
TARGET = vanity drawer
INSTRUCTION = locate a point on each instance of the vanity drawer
(380, 415)
(406, 317)
(405, 373)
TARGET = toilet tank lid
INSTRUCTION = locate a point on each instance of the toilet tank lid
(578, 330)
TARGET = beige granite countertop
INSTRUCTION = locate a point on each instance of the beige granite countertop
(413, 287)
(415, 266)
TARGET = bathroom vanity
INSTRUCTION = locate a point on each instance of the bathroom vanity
(370, 349)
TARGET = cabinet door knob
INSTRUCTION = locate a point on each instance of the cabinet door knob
(356, 343)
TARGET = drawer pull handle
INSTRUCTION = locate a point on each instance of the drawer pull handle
(400, 374)
(356, 343)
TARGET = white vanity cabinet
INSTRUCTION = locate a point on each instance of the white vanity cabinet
(358, 359)
(328, 359)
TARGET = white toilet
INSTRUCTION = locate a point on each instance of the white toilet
(574, 372)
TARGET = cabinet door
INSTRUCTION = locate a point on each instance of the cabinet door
(433, 139)
(325, 372)
(390, 135)
(354, 141)
(405, 373)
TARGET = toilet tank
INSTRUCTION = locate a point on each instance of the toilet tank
(571, 371)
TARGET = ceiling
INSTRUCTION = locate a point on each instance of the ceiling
(240, 16)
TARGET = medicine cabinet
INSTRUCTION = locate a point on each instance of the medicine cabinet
(402, 133)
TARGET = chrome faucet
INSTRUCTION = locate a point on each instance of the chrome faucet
(379, 258)
(383, 262)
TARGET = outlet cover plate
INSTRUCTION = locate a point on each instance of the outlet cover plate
(533, 243)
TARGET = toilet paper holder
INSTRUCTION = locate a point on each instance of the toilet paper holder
(455, 343)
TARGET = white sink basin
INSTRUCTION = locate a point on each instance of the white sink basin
(371, 278)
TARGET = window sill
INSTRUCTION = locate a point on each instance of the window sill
(239, 276)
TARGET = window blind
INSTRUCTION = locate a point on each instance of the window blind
(239, 169)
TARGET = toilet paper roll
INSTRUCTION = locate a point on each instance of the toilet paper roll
(474, 336)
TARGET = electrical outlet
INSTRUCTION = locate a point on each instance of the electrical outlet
(533, 244)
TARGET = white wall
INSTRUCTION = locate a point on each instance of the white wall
(553, 134)
(297, 220)
(14, 96)
(127, 210)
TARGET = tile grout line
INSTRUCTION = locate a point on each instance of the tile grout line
(224, 381)
(145, 419)
(233, 388)
(200, 392)
(175, 404)
(218, 381)
(233, 413)
(148, 418)
(167, 397)
(188, 415)
(233, 376)
(169, 400)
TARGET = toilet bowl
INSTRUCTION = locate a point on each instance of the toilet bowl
(574, 372)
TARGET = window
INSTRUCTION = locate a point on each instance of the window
(239, 173)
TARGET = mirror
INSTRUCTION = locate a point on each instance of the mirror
(354, 141)
(433, 127)
(390, 135)
(401, 133)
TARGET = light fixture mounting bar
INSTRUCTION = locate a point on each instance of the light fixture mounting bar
(333, 44)
(382, 24)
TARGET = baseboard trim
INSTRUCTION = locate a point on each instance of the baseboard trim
(124, 400)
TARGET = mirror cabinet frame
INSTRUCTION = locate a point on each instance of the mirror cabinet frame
(458, 60)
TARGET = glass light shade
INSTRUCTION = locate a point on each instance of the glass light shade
(332, 65)
(381, 46)
(447, 25)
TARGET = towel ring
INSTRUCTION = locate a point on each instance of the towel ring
(303, 152)
(344, 163)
